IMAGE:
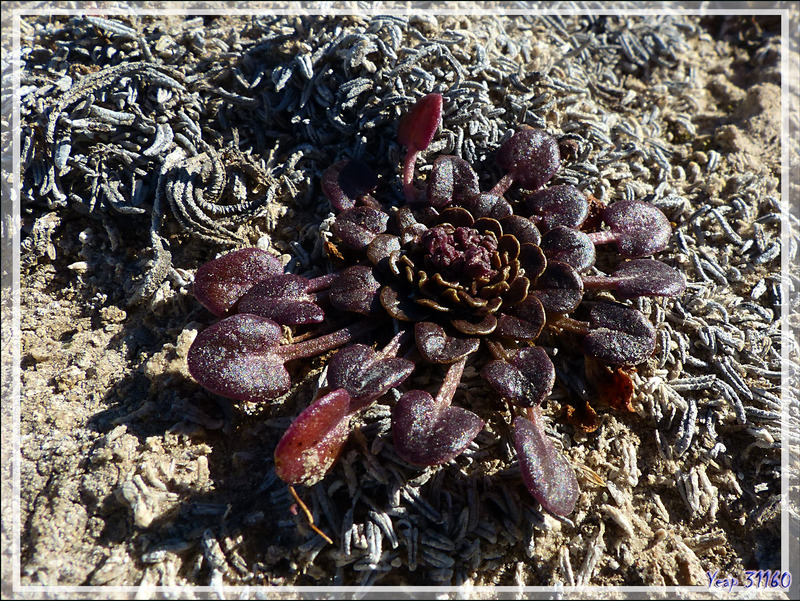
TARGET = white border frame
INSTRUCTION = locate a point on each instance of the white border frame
(790, 546)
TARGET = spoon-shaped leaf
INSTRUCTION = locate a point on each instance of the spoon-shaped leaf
(381, 248)
(524, 321)
(486, 204)
(640, 229)
(237, 358)
(570, 246)
(220, 283)
(623, 336)
(365, 374)
(399, 305)
(313, 442)
(452, 179)
(560, 288)
(282, 298)
(530, 157)
(417, 128)
(547, 473)
(521, 228)
(526, 379)
(358, 227)
(648, 277)
(356, 289)
(427, 432)
(559, 205)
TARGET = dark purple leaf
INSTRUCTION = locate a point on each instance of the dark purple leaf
(451, 179)
(356, 290)
(530, 157)
(547, 473)
(282, 298)
(559, 205)
(623, 336)
(365, 374)
(455, 216)
(220, 283)
(640, 228)
(410, 229)
(517, 291)
(437, 347)
(487, 205)
(648, 277)
(560, 288)
(516, 328)
(570, 246)
(237, 358)
(532, 261)
(524, 320)
(358, 227)
(427, 432)
(521, 228)
(417, 128)
(343, 183)
(311, 445)
(525, 380)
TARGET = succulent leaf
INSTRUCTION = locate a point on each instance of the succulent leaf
(547, 473)
(356, 290)
(568, 245)
(648, 277)
(359, 226)
(220, 283)
(427, 432)
(622, 335)
(452, 179)
(526, 379)
(524, 320)
(560, 288)
(381, 248)
(282, 298)
(365, 374)
(437, 347)
(531, 157)
(345, 182)
(311, 445)
(640, 228)
(237, 358)
(522, 229)
(559, 205)
(417, 128)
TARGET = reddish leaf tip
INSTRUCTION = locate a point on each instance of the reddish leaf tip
(417, 128)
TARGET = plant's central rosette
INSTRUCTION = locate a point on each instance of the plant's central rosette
(461, 254)
(462, 277)
(469, 272)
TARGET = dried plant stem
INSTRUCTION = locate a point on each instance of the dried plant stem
(309, 517)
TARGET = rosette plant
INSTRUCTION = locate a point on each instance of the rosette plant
(457, 275)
